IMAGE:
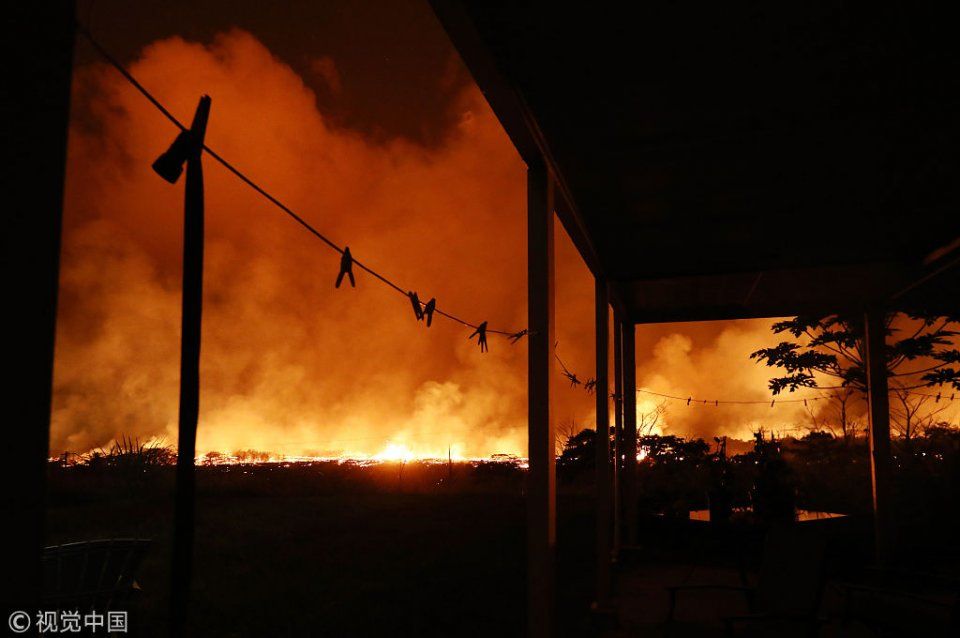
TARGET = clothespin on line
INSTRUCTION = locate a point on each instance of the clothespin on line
(517, 336)
(481, 334)
(415, 302)
(346, 268)
(428, 310)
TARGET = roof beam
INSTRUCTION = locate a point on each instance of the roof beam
(516, 118)
(772, 293)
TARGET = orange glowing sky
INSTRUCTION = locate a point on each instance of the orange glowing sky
(289, 364)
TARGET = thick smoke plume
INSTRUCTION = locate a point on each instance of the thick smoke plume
(289, 364)
(709, 362)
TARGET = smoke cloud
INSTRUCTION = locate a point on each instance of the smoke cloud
(709, 362)
(289, 364)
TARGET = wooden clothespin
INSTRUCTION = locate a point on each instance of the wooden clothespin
(428, 310)
(415, 302)
(517, 336)
(346, 268)
(481, 334)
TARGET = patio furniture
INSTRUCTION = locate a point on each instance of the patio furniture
(898, 602)
(787, 592)
(98, 574)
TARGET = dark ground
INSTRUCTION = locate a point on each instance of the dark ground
(280, 552)
(423, 549)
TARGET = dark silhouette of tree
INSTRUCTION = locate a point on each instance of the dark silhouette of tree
(774, 490)
(647, 421)
(913, 415)
(839, 418)
(921, 352)
(674, 474)
(672, 449)
(578, 452)
(565, 431)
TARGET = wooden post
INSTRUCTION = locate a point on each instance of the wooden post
(618, 430)
(630, 432)
(193, 227)
(879, 414)
(35, 145)
(602, 443)
(541, 478)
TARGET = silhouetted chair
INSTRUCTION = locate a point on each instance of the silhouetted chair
(787, 592)
(92, 574)
(904, 602)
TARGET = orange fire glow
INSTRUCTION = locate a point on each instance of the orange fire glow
(289, 364)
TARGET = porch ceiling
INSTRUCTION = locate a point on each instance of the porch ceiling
(726, 160)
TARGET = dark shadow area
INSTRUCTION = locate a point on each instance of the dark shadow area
(332, 548)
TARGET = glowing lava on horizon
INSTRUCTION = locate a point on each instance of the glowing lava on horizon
(395, 452)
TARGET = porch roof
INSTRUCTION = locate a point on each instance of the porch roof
(720, 161)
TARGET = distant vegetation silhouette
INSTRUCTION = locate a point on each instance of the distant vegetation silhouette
(816, 471)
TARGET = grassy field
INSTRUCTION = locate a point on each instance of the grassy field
(336, 551)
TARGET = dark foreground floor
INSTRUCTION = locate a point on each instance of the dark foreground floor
(349, 564)
(340, 550)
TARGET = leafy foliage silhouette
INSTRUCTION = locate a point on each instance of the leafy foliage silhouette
(833, 346)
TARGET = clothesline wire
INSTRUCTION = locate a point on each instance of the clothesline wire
(112, 61)
(694, 400)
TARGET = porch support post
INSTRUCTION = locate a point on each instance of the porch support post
(618, 430)
(879, 412)
(604, 475)
(541, 478)
(630, 432)
(34, 145)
